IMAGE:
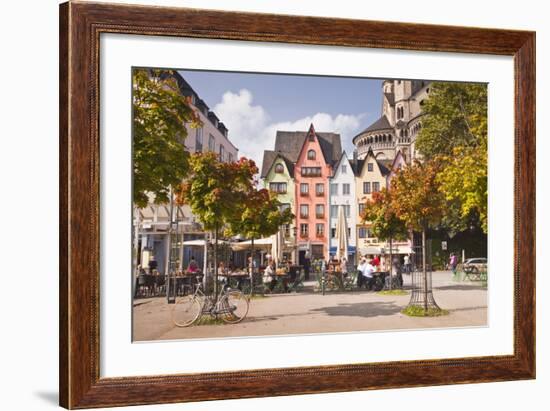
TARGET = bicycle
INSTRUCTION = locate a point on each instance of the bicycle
(231, 306)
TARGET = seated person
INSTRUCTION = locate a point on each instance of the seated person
(366, 270)
(269, 275)
(193, 267)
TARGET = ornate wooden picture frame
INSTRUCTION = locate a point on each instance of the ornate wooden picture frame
(80, 27)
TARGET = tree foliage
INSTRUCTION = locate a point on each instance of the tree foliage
(386, 224)
(455, 115)
(463, 181)
(160, 113)
(454, 134)
(416, 198)
(260, 215)
(215, 190)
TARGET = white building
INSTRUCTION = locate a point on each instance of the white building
(213, 135)
(342, 194)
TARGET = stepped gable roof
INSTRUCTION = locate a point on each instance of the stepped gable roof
(290, 143)
(381, 124)
(269, 158)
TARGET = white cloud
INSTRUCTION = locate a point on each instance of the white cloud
(252, 132)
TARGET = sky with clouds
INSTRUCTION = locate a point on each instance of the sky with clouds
(254, 106)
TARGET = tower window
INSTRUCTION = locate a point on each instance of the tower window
(311, 155)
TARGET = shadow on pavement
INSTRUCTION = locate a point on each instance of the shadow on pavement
(460, 287)
(365, 310)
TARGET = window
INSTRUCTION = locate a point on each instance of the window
(279, 168)
(344, 169)
(320, 230)
(370, 166)
(304, 211)
(320, 189)
(222, 152)
(347, 210)
(304, 230)
(361, 208)
(334, 211)
(304, 189)
(284, 206)
(320, 211)
(346, 189)
(375, 187)
(230, 157)
(198, 140)
(279, 188)
(334, 189)
(311, 155)
(333, 233)
(286, 230)
(366, 188)
(211, 143)
(311, 171)
(362, 232)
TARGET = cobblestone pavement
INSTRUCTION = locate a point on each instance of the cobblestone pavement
(306, 313)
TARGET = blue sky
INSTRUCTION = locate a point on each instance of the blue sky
(254, 106)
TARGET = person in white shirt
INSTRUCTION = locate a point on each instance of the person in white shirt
(366, 270)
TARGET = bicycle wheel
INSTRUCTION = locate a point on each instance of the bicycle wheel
(233, 306)
(186, 310)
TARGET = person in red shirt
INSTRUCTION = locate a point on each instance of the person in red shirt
(376, 262)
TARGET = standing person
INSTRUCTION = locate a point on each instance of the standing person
(407, 264)
(307, 266)
(192, 267)
(360, 269)
(453, 261)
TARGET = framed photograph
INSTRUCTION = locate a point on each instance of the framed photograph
(260, 205)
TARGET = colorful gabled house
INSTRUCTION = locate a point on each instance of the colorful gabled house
(309, 158)
(370, 177)
(342, 195)
(278, 177)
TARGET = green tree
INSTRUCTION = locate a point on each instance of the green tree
(160, 113)
(455, 115)
(260, 215)
(463, 182)
(214, 190)
(417, 200)
(454, 132)
(386, 224)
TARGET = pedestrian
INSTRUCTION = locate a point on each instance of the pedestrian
(376, 262)
(366, 270)
(344, 266)
(407, 264)
(453, 262)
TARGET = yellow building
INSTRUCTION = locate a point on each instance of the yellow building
(370, 177)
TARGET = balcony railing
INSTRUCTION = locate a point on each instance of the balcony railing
(320, 193)
(304, 215)
(304, 193)
(320, 215)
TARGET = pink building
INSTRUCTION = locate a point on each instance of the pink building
(312, 171)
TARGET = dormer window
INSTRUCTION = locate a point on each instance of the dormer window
(370, 167)
(311, 155)
(279, 168)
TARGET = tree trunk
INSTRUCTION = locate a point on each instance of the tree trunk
(391, 262)
(424, 274)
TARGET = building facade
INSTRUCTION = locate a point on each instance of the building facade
(399, 124)
(342, 194)
(309, 157)
(278, 177)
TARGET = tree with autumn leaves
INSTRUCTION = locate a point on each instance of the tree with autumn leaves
(454, 134)
(225, 198)
(386, 224)
(259, 215)
(214, 190)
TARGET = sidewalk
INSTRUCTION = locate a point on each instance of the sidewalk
(306, 313)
